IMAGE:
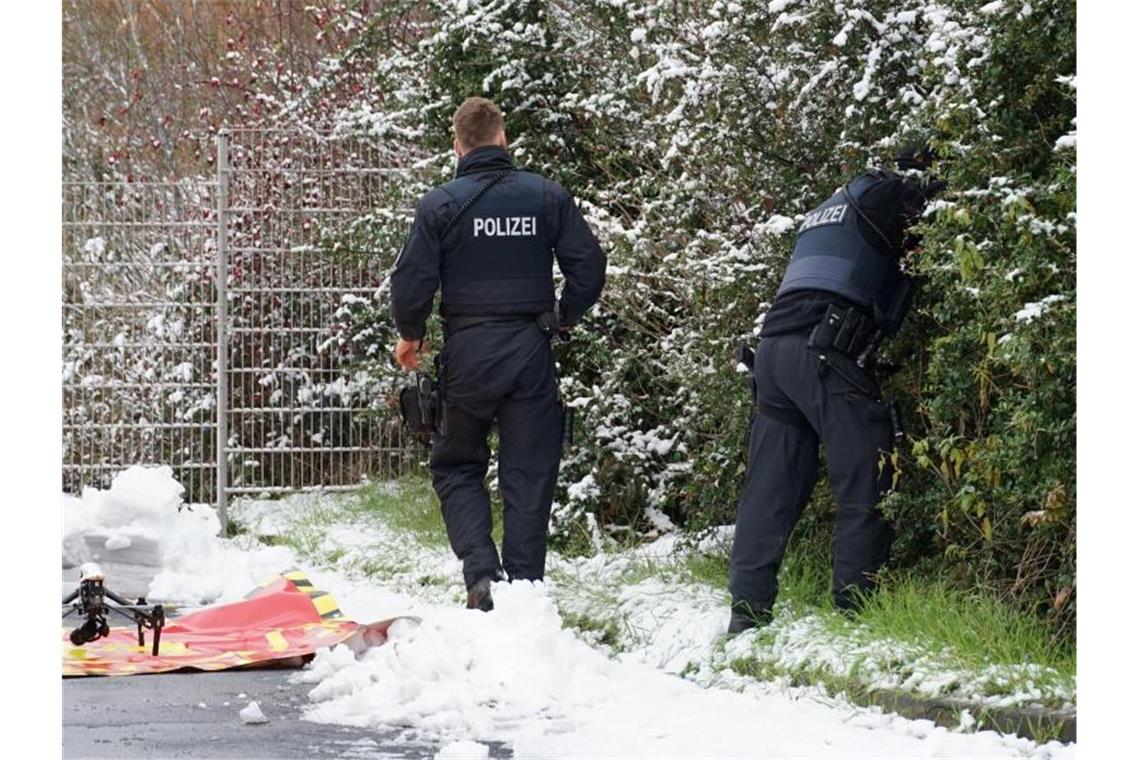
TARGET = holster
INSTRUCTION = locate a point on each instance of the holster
(849, 331)
(420, 406)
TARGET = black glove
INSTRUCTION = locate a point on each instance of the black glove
(932, 187)
(915, 156)
(921, 157)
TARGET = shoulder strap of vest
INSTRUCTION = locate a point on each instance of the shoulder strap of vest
(471, 200)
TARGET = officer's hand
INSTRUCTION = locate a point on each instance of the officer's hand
(408, 353)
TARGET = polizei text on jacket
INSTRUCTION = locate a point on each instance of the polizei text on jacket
(506, 226)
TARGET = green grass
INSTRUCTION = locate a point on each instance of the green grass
(307, 530)
(593, 629)
(802, 675)
(708, 568)
(411, 508)
(971, 628)
(805, 576)
(977, 627)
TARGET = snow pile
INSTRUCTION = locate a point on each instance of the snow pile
(142, 501)
(517, 675)
(143, 511)
(463, 673)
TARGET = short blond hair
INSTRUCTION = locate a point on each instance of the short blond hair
(477, 122)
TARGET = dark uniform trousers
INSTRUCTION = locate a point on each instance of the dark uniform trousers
(502, 371)
(802, 402)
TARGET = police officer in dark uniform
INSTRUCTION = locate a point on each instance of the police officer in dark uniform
(488, 240)
(843, 292)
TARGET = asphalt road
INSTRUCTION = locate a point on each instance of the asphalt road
(177, 715)
(196, 715)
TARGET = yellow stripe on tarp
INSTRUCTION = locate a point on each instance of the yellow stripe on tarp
(277, 641)
(299, 579)
(325, 604)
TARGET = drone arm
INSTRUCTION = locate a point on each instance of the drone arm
(116, 598)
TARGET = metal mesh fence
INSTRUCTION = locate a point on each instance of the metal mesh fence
(139, 332)
(290, 219)
(298, 415)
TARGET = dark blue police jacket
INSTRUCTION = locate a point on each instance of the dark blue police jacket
(498, 258)
(833, 254)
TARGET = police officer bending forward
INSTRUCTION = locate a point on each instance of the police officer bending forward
(842, 293)
(489, 240)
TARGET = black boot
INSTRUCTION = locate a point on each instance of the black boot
(747, 615)
(479, 596)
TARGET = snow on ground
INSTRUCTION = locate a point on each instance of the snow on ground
(518, 674)
(668, 621)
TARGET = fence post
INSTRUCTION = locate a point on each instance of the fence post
(223, 168)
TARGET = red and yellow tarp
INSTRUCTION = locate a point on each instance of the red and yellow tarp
(285, 618)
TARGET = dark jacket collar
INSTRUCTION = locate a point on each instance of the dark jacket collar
(486, 158)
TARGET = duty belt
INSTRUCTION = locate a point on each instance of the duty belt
(452, 325)
(547, 321)
(850, 331)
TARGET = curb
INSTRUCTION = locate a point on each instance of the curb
(1033, 722)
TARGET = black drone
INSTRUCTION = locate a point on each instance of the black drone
(90, 601)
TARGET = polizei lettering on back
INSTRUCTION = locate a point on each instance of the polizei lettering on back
(506, 226)
(822, 216)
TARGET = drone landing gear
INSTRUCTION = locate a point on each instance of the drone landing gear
(90, 602)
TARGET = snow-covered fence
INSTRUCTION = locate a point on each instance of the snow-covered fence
(300, 412)
(139, 331)
(280, 217)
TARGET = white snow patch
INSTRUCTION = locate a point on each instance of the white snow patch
(776, 224)
(584, 489)
(252, 714)
(659, 520)
(463, 750)
(95, 246)
(1032, 311)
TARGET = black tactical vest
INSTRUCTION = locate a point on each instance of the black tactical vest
(832, 254)
(498, 256)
